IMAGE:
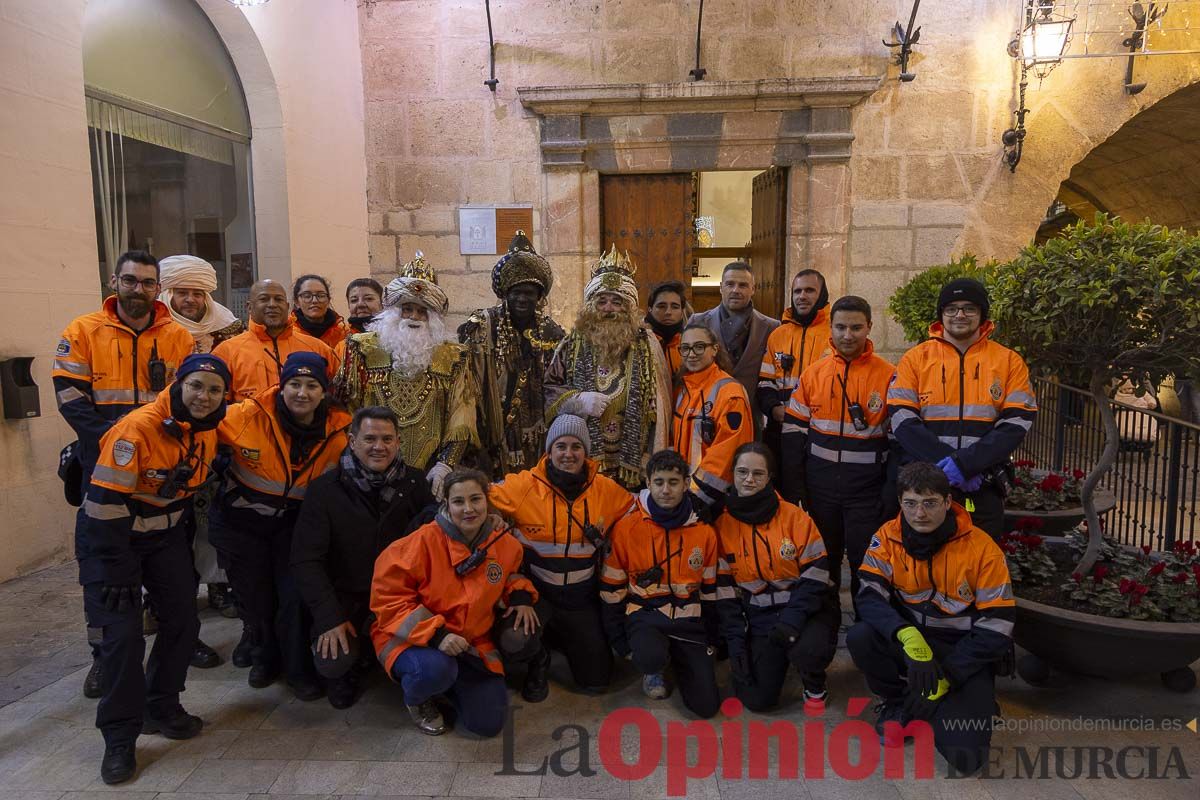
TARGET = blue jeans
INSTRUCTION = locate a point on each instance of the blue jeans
(478, 694)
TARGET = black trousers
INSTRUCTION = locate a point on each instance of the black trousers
(846, 523)
(695, 667)
(971, 705)
(812, 653)
(362, 653)
(578, 633)
(989, 509)
(268, 600)
(131, 692)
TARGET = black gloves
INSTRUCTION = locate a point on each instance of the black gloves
(121, 598)
(783, 635)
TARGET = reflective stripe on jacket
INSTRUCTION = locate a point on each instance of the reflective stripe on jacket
(713, 394)
(804, 344)
(416, 593)
(963, 594)
(558, 557)
(255, 357)
(976, 406)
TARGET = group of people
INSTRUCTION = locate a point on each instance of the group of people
(672, 489)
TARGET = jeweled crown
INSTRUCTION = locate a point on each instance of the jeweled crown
(418, 268)
(614, 261)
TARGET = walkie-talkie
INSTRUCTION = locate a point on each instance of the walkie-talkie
(157, 369)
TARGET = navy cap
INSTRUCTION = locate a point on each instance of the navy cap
(305, 364)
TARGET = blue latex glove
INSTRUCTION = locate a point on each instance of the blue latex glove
(973, 484)
(953, 473)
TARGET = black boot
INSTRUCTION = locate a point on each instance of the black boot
(218, 596)
(343, 692)
(241, 652)
(118, 764)
(175, 724)
(262, 675)
(306, 689)
(91, 684)
(204, 657)
(537, 679)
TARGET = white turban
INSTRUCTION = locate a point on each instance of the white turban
(190, 272)
(616, 282)
(415, 290)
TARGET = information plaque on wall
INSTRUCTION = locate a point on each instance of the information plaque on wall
(487, 230)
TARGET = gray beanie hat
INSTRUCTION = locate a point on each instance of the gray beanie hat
(569, 425)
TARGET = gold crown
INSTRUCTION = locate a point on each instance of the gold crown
(612, 261)
(418, 268)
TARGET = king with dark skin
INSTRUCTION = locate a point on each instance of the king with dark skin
(522, 301)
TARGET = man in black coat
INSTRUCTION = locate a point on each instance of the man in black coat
(349, 516)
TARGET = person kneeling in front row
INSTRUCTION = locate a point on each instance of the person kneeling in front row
(937, 618)
(658, 578)
(436, 595)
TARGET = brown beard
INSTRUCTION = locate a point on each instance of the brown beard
(609, 338)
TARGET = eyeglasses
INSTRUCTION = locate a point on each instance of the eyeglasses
(928, 505)
(130, 282)
(698, 348)
(964, 311)
(308, 297)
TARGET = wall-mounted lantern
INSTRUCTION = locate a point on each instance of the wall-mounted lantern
(1039, 46)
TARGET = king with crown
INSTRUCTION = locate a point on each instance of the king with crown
(611, 372)
(511, 345)
(406, 362)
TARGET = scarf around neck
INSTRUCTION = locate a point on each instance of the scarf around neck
(180, 413)
(665, 333)
(670, 518)
(569, 483)
(924, 546)
(316, 329)
(302, 437)
(753, 509)
(385, 485)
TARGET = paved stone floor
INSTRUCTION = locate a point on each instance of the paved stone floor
(266, 743)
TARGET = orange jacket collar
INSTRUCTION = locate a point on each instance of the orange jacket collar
(711, 373)
(260, 330)
(159, 311)
(822, 317)
(867, 352)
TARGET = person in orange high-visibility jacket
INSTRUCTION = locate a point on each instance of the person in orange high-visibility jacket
(313, 313)
(835, 439)
(964, 402)
(801, 339)
(659, 584)
(780, 609)
(711, 416)
(136, 523)
(281, 440)
(256, 356)
(562, 510)
(106, 364)
(667, 312)
(937, 619)
(435, 595)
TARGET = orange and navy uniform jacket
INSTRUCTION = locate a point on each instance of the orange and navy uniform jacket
(101, 369)
(804, 344)
(261, 480)
(418, 598)
(334, 335)
(255, 358)
(559, 558)
(674, 603)
(711, 394)
(961, 596)
(975, 406)
(137, 456)
(779, 572)
(670, 348)
(820, 442)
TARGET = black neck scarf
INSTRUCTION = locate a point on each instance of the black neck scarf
(753, 509)
(822, 300)
(302, 437)
(384, 485)
(665, 333)
(180, 413)
(571, 484)
(924, 546)
(316, 329)
(670, 518)
(359, 324)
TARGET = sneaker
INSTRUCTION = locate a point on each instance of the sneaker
(91, 684)
(428, 718)
(537, 679)
(176, 724)
(204, 657)
(814, 702)
(890, 710)
(655, 686)
(118, 764)
(241, 652)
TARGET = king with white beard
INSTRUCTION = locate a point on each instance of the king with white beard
(405, 362)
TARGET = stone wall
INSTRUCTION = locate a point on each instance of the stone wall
(924, 178)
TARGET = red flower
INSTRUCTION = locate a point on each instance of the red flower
(1030, 524)
(1180, 577)
(1126, 586)
(1140, 589)
(1033, 541)
(1075, 576)
(1078, 474)
(1157, 568)
(1024, 464)
(1052, 483)
(1135, 600)
(1100, 573)
(1146, 549)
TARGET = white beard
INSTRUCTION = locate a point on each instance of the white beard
(411, 342)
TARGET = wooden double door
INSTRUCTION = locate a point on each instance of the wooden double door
(653, 217)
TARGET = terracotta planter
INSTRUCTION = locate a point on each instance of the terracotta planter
(1059, 521)
(1104, 646)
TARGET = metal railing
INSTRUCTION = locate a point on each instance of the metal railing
(1156, 479)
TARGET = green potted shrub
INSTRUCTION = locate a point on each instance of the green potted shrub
(914, 305)
(1106, 302)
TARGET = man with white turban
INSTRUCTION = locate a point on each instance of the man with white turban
(187, 284)
(611, 372)
(406, 362)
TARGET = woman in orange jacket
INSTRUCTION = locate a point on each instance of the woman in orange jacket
(782, 609)
(314, 315)
(712, 415)
(435, 594)
(280, 440)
